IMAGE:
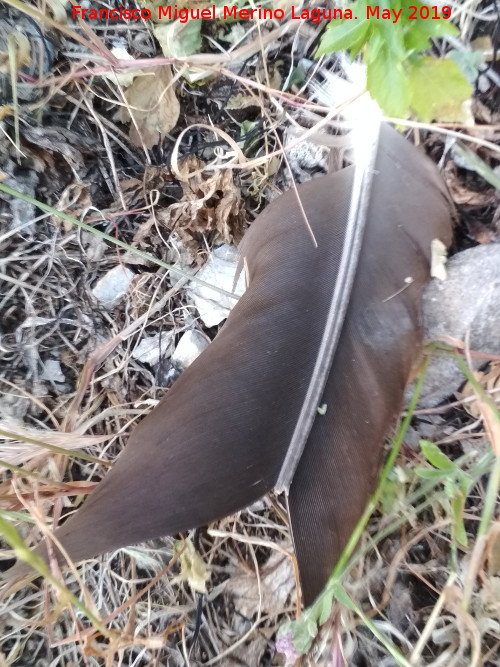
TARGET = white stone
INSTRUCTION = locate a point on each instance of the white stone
(219, 271)
(190, 346)
(465, 306)
(52, 371)
(113, 286)
(152, 348)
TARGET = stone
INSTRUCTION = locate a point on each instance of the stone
(466, 307)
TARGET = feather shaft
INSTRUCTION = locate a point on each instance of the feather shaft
(367, 139)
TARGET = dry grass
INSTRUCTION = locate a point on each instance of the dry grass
(410, 595)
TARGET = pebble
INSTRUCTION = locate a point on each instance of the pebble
(219, 271)
(113, 286)
(153, 348)
(190, 346)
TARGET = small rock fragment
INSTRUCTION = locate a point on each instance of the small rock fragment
(26, 181)
(113, 286)
(153, 348)
(52, 371)
(190, 346)
(219, 271)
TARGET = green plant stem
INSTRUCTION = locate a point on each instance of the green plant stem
(345, 599)
(334, 585)
(15, 541)
(17, 516)
(372, 504)
(492, 491)
(490, 500)
(479, 166)
(489, 506)
(18, 469)
(111, 239)
(477, 387)
(54, 448)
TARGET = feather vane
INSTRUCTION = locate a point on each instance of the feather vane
(242, 419)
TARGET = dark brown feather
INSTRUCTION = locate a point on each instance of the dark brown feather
(217, 441)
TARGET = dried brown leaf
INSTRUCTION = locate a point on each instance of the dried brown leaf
(209, 203)
(76, 198)
(462, 195)
(277, 584)
(482, 233)
(493, 550)
(11, 498)
(15, 451)
(193, 568)
(490, 381)
(60, 141)
(21, 51)
(154, 106)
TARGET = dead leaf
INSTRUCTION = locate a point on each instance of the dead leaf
(153, 105)
(11, 499)
(277, 584)
(193, 568)
(491, 424)
(210, 202)
(439, 257)
(21, 49)
(490, 382)
(480, 232)
(493, 550)
(462, 195)
(250, 654)
(76, 198)
(46, 142)
(16, 451)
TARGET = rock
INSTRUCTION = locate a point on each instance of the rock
(26, 181)
(153, 348)
(466, 303)
(113, 286)
(219, 270)
(190, 346)
(52, 371)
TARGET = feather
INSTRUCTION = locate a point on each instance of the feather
(219, 439)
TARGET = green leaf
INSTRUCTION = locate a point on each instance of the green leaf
(386, 80)
(438, 90)
(436, 457)
(304, 630)
(297, 77)
(179, 40)
(474, 163)
(418, 36)
(323, 607)
(391, 33)
(193, 568)
(349, 35)
(419, 31)
(389, 495)
(429, 473)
